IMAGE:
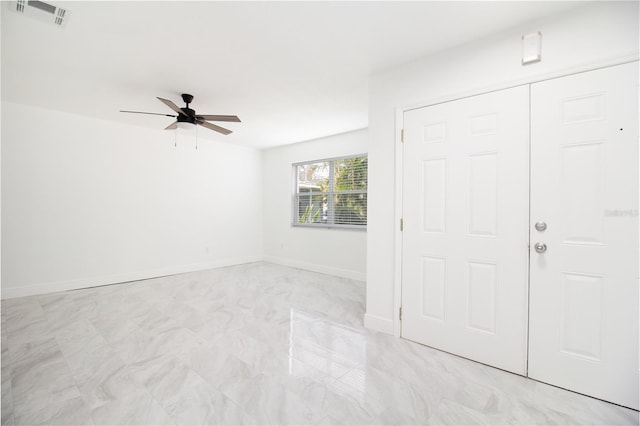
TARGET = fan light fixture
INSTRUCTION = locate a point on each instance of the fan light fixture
(185, 125)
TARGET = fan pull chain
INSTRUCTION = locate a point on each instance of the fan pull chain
(196, 136)
(175, 138)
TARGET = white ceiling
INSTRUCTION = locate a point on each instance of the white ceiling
(292, 71)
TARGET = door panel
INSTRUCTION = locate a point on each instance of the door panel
(584, 185)
(465, 210)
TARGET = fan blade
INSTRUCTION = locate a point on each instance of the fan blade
(173, 106)
(150, 113)
(172, 126)
(214, 127)
(233, 118)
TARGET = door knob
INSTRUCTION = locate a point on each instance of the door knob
(540, 247)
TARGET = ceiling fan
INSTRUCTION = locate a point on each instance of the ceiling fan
(188, 115)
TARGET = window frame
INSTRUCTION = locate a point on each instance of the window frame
(332, 191)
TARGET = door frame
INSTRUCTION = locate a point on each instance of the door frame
(399, 158)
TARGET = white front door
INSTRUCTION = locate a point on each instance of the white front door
(584, 186)
(465, 211)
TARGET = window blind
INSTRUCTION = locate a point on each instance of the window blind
(331, 192)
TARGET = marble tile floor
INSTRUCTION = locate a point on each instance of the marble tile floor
(249, 344)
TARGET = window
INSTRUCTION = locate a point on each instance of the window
(331, 193)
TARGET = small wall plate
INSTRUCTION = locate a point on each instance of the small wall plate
(531, 48)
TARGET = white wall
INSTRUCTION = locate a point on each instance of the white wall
(88, 202)
(334, 251)
(598, 34)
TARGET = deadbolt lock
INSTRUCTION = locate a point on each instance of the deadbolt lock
(541, 226)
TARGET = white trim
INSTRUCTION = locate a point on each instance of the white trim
(631, 57)
(397, 252)
(376, 323)
(323, 269)
(76, 284)
(329, 160)
(362, 228)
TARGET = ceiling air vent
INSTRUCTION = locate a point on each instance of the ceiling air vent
(40, 10)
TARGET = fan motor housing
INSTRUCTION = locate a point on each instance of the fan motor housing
(189, 118)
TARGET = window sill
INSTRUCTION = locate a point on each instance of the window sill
(328, 226)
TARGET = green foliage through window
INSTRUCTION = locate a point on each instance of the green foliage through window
(331, 192)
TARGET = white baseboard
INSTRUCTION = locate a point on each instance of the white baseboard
(75, 284)
(52, 287)
(344, 273)
(383, 325)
